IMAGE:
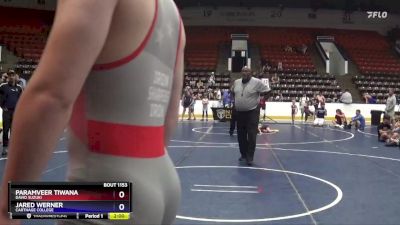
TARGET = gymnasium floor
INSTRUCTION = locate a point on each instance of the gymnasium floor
(301, 175)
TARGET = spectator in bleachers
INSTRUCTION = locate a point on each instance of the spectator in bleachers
(211, 80)
(340, 119)
(320, 114)
(336, 97)
(280, 66)
(266, 68)
(278, 97)
(210, 94)
(346, 97)
(369, 99)
(303, 101)
(204, 101)
(192, 83)
(358, 121)
(200, 84)
(384, 128)
(275, 79)
(390, 105)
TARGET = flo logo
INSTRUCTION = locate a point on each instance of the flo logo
(377, 14)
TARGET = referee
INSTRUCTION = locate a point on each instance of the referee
(9, 95)
(247, 92)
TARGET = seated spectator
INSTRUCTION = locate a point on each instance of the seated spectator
(278, 97)
(280, 66)
(275, 79)
(394, 137)
(192, 83)
(369, 99)
(358, 121)
(266, 68)
(346, 97)
(340, 119)
(210, 94)
(320, 114)
(200, 84)
(211, 80)
(384, 129)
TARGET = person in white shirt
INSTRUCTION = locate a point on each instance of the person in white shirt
(303, 101)
(218, 96)
(390, 105)
(346, 97)
(204, 101)
(247, 91)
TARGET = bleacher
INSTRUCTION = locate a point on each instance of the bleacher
(370, 51)
(294, 85)
(202, 45)
(222, 81)
(26, 42)
(377, 85)
(272, 42)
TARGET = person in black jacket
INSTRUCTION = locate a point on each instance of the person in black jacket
(9, 95)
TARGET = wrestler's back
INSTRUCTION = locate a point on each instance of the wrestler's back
(117, 125)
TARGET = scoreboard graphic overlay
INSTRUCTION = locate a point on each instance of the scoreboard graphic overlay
(70, 200)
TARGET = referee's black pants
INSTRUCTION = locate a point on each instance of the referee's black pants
(7, 121)
(247, 125)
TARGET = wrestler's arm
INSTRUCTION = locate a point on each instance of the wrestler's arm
(77, 37)
(173, 107)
